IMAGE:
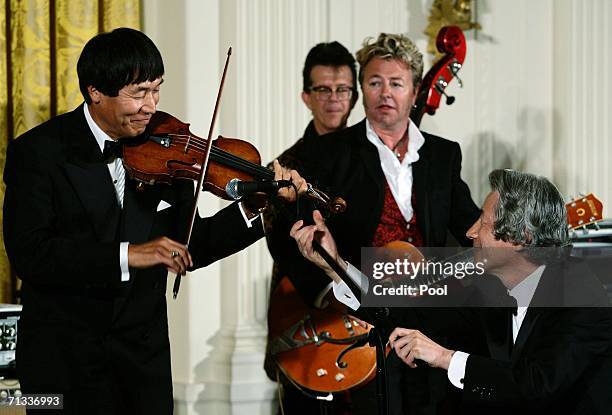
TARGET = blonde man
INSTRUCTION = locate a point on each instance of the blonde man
(399, 184)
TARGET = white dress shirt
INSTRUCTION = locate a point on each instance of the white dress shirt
(399, 174)
(399, 178)
(115, 169)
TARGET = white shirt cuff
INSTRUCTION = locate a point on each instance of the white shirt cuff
(358, 278)
(319, 303)
(249, 222)
(456, 369)
(344, 294)
(123, 261)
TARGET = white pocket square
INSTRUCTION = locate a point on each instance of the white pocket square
(163, 205)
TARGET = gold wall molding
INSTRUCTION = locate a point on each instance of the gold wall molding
(449, 13)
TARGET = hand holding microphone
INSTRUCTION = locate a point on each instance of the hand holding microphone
(286, 182)
(237, 188)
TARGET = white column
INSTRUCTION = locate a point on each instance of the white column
(261, 104)
(187, 34)
(583, 51)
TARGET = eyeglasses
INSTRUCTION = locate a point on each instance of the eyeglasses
(324, 93)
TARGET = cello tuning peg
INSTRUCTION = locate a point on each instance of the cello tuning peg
(440, 86)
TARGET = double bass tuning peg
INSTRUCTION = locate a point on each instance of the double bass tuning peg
(454, 69)
(440, 87)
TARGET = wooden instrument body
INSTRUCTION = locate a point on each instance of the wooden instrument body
(297, 334)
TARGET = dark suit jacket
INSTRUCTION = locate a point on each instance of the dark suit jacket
(101, 342)
(561, 362)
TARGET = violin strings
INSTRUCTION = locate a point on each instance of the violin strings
(221, 155)
(243, 165)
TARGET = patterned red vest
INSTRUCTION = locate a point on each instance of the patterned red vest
(393, 226)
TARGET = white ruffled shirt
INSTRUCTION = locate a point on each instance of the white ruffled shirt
(399, 178)
(399, 174)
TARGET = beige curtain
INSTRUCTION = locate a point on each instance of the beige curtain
(40, 42)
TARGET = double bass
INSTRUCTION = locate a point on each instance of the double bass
(314, 348)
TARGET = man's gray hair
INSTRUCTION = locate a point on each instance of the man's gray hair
(530, 211)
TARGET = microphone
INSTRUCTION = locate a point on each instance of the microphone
(237, 188)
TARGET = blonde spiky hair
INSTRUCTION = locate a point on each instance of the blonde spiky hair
(392, 46)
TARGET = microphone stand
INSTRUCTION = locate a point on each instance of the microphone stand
(376, 336)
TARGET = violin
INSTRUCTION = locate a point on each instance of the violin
(168, 151)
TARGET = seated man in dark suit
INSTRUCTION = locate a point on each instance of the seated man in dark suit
(554, 353)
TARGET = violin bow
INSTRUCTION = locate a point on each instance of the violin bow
(205, 159)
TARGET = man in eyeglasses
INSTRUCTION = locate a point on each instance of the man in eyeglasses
(329, 92)
(329, 86)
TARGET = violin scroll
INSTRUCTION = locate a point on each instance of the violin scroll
(334, 206)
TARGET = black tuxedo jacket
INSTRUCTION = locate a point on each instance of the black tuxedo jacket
(101, 342)
(561, 361)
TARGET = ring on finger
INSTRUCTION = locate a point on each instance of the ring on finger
(174, 254)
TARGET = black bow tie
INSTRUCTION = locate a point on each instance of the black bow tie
(512, 304)
(112, 150)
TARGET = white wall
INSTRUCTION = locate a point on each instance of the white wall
(535, 97)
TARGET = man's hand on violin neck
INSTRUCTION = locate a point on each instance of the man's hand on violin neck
(160, 251)
(282, 173)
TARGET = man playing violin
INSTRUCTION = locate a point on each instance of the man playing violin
(399, 184)
(93, 251)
